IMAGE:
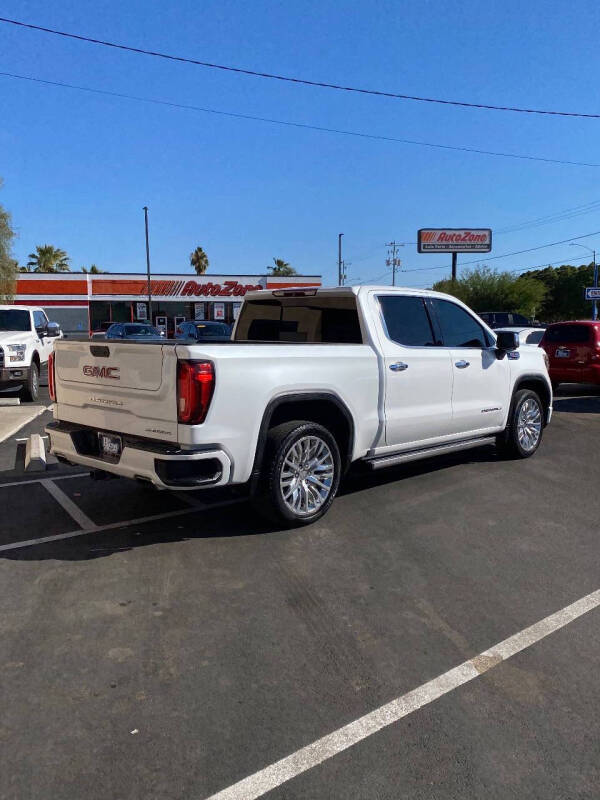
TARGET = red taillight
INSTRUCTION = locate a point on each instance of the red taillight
(195, 386)
(51, 378)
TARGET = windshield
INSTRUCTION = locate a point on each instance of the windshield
(14, 320)
(535, 337)
(140, 330)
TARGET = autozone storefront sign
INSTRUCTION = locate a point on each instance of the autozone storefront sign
(454, 240)
(174, 289)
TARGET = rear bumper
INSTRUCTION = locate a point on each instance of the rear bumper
(14, 374)
(161, 463)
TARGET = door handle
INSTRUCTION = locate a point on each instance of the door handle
(399, 366)
(463, 364)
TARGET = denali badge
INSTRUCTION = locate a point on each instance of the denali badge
(101, 372)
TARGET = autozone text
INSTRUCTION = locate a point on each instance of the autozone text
(196, 289)
(463, 236)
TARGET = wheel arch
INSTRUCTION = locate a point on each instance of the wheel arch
(538, 385)
(325, 408)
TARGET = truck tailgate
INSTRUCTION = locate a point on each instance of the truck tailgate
(118, 386)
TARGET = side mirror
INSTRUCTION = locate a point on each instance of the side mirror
(53, 329)
(507, 340)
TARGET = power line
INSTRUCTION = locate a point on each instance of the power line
(290, 79)
(302, 125)
(559, 216)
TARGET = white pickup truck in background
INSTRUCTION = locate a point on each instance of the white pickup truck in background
(26, 341)
(312, 381)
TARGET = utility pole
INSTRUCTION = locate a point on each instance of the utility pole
(340, 264)
(148, 266)
(391, 260)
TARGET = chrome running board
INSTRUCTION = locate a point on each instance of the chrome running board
(427, 452)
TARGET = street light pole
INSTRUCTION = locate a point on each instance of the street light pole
(589, 249)
(148, 266)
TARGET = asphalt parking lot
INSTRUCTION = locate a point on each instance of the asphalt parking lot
(161, 646)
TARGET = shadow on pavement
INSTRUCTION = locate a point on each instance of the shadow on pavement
(579, 399)
(225, 521)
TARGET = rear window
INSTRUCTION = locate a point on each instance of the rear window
(331, 320)
(568, 334)
(534, 338)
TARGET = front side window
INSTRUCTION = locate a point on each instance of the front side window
(407, 321)
(458, 327)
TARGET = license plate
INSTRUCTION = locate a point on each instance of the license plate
(110, 446)
(562, 352)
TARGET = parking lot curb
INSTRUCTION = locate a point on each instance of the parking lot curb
(19, 421)
(35, 454)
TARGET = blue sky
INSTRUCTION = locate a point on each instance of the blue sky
(78, 167)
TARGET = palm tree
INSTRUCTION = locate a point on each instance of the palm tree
(281, 268)
(199, 261)
(48, 259)
(93, 270)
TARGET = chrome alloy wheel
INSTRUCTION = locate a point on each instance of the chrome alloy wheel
(529, 425)
(306, 475)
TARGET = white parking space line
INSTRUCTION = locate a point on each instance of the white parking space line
(112, 525)
(38, 480)
(319, 751)
(69, 506)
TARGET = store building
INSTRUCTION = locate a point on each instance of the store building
(83, 303)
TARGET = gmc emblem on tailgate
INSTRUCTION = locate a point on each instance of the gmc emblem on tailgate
(101, 372)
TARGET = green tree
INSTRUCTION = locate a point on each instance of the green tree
(93, 270)
(199, 261)
(8, 266)
(564, 291)
(48, 259)
(281, 268)
(485, 289)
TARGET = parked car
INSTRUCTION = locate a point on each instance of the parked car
(504, 319)
(203, 331)
(313, 380)
(529, 336)
(26, 340)
(133, 330)
(100, 332)
(573, 350)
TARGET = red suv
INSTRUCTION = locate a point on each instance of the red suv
(573, 349)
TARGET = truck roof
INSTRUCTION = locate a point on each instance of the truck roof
(9, 306)
(310, 291)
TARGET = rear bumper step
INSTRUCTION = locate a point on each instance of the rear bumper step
(439, 450)
(164, 464)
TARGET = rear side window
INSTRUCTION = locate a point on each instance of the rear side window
(534, 338)
(459, 328)
(568, 334)
(332, 320)
(407, 321)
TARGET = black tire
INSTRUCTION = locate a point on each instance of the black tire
(514, 442)
(31, 391)
(555, 385)
(269, 498)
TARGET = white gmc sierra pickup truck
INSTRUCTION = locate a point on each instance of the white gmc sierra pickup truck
(312, 381)
(26, 341)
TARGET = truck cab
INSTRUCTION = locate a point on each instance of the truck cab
(26, 341)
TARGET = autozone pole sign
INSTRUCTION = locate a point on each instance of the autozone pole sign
(454, 240)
